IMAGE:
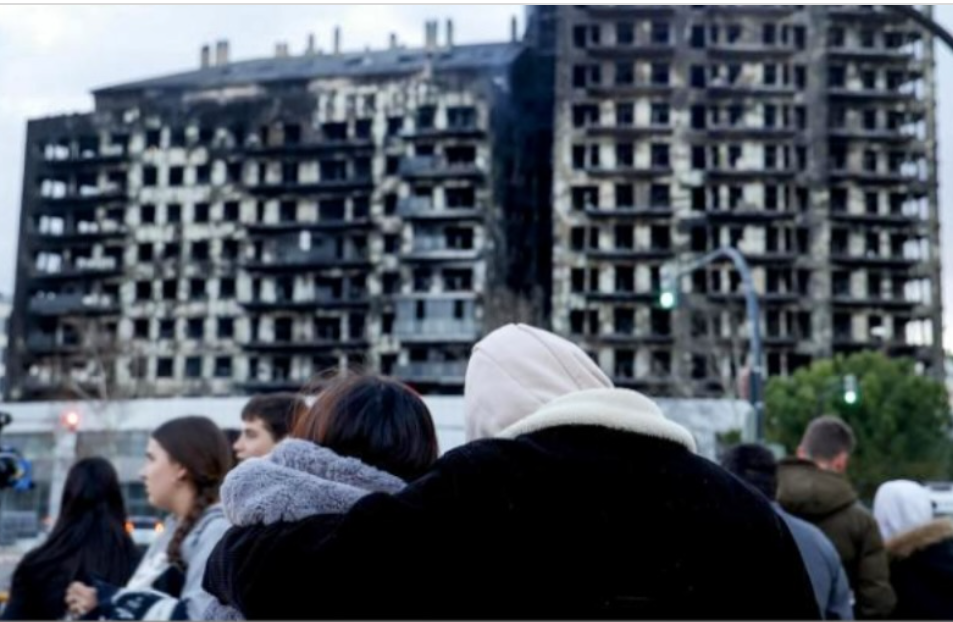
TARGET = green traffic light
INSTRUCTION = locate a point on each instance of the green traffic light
(667, 300)
(850, 398)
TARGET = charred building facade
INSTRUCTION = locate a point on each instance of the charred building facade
(805, 136)
(247, 226)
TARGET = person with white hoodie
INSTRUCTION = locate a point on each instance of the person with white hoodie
(574, 500)
(920, 549)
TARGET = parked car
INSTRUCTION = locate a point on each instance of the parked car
(941, 493)
(144, 529)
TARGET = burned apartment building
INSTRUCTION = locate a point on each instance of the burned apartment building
(804, 136)
(247, 226)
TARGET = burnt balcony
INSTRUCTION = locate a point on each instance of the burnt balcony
(894, 136)
(74, 304)
(878, 178)
(898, 221)
(630, 90)
(632, 50)
(302, 150)
(751, 50)
(630, 213)
(737, 132)
(291, 258)
(619, 295)
(82, 268)
(628, 172)
(746, 214)
(450, 372)
(435, 167)
(87, 159)
(869, 95)
(461, 131)
(340, 184)
(265, 229)
(717, 90)
(320, 300)
(628, 131)
(878, 54)
(306, 343)
(439, 249)
(80, 234)
(422, 208)
(43, 344)
(729, 173)
(638, 254)
(874, 302)
(841, 256)
(437, 329)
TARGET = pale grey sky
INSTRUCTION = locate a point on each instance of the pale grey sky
(52, 56)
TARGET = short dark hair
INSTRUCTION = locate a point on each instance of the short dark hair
(277, 411)
(755, 465)
(827, 437)
(377, 420)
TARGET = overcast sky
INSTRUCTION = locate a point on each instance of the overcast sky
(52, 56)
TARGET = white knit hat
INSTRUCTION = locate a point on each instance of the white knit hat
(517, 369)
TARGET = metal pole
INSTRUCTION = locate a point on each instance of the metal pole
(755, 352)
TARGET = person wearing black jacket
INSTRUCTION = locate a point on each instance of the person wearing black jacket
(587, 503)
(89, 541)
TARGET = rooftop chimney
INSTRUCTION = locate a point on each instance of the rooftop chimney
(337, 39)
(430, 35)
(205, 57)
(311, 48)
(281, 50)
(221, 52)
(449, 33)
(514, 37)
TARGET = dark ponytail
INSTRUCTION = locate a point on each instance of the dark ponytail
(202, 449)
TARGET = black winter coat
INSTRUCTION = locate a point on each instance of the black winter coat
(566, 522)
(921, 570)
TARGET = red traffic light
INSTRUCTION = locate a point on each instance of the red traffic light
(71, 420)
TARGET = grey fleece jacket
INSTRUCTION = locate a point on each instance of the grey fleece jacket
(297, 480)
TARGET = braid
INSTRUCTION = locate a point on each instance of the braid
(204, 498)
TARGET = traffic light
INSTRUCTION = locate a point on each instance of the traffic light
(668, 296)
(70, 420)
(851, 390)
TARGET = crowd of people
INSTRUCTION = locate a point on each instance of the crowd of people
(571, 499)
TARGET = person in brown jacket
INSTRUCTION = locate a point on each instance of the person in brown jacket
(814, 487)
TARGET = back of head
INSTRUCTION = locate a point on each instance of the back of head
(515, 370)
(379, 421)
(89, 535)
(200, 447)
(277, 411)
(901, 505)
(754, 464)
(826, 438)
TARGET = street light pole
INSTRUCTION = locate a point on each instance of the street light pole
(753, 308)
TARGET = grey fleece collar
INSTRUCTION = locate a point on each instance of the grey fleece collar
(297, 480)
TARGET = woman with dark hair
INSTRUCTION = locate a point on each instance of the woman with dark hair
(186, 460)
(89, 540)
(363, 434)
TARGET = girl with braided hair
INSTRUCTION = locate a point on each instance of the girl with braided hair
(186, 460)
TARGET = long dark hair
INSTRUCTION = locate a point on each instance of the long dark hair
(202, 449)
(89, 537)
(377, 420)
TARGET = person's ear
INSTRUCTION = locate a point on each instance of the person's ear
(839, 463)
